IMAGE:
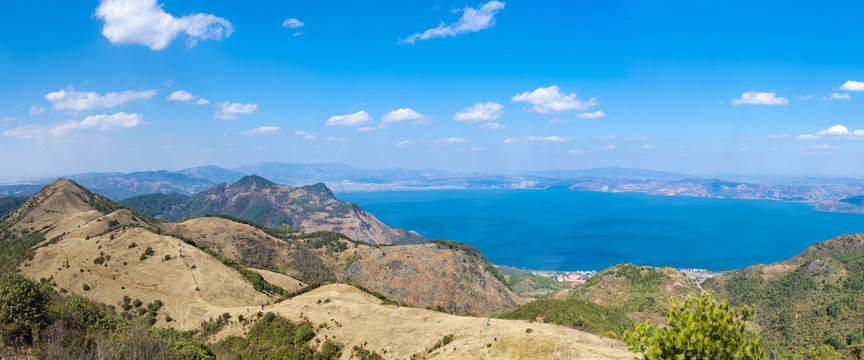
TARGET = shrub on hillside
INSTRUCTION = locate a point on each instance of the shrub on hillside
(698, 328)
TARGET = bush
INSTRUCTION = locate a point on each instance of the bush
(86, 287)
(331, 350)
(22, 308)
(698, 328)
(303, 333)
(132, 245)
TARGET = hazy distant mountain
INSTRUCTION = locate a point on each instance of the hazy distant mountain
(824, 194)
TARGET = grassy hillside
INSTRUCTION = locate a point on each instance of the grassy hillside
(814, 298)
(576, 313)
(642, 292)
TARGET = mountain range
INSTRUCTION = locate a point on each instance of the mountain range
(77, 242)
(825, 194)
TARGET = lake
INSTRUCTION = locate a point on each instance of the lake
(578, 230)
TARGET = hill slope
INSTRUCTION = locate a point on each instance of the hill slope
(815, 297)
(308, 209)
(452, 276)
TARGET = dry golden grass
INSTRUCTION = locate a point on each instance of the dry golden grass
(353, 317)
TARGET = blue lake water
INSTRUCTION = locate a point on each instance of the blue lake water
(576, 230)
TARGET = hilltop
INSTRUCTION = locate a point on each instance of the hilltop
(308, 208)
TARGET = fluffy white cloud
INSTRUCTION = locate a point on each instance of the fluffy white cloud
(451, 141)
(79, 101)
(480, 112)
(473, 20)
(180, 95)
(185, 96)
(608, 147)
(264, 130)
(648, 146)
(144, 22)
(309, 137)
(116, 121)
(229, 111)
(779, 136)
(404, 143)
(834, 132)
(535, 139)
(852, 85)
(36, 109)
(837, 96)
(753, 97)
(552, 100)
(576, 152)
(589, 115)
(292, 23)
(359, 118)
(404, 115)
(7, 118)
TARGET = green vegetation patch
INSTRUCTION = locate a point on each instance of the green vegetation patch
(576, 313)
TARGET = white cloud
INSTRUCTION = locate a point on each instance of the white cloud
(36, 109)
(7, 118)
(824, 147)
(608, 147)
(300, 132)
(180, 95)
(404, 143)
(576, 152)
(404, 115)
(779, 136)
(493, 126)
(804, 97)
(480, 112)
(229, 111)
(144, 22)
(552, 100)
(606, 138)
(264, 130)
(185, 96)
(648, 146)
(451, 141)
(473, 20)
(535, 139)
(309, 137)
(367, 129)
(837, 96)
(359, 118)
(835, 132)
(116, 121)
(79, 101)
(335, 139)
(292, 23)
(760, 98)
(589, 115)
(852, 85)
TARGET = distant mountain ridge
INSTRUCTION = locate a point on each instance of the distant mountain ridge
(825, 194)
(308, 208)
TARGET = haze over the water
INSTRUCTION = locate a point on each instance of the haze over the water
(689, 87)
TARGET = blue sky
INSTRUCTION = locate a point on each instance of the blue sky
(703, 87)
